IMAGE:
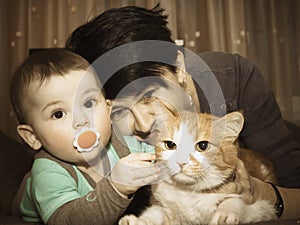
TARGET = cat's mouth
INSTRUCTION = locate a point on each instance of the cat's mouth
(184, 178)
(204, 181)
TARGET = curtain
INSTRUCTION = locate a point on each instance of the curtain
(265, 31)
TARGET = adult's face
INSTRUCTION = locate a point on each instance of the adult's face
(141, 114)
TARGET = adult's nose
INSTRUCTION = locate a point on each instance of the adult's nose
(143, 117)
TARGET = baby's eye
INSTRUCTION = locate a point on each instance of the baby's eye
(90, 103)
(57, 114)
(170, 145)
(202, 145)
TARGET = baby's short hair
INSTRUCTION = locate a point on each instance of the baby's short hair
(41, 66)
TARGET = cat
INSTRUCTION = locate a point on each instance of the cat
(200, 152)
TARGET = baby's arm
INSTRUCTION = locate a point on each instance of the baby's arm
(109, 200)
(100, 206)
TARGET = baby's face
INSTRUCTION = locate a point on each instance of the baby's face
(63, 105)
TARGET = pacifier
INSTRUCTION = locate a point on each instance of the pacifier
(86, 139)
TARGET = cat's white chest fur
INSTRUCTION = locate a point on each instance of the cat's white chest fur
(175, 206)
(195, 207)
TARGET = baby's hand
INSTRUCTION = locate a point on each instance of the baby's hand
(134, 171)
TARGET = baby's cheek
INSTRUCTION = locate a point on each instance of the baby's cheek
(59, 143)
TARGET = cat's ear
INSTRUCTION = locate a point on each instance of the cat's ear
(233, 125)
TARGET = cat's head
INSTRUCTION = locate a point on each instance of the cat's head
(199, 149)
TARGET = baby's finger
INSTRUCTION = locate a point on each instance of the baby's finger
(146, 180)
(143, 172)
(140, 157)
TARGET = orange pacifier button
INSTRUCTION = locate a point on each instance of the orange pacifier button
(87, 139)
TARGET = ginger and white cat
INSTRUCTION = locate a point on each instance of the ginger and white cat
(200, 154)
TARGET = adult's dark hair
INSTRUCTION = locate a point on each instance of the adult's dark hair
(116, 27)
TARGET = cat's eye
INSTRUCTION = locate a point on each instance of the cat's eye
(170, 145)
(202, 145)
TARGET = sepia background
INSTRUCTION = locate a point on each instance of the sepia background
(265, 31)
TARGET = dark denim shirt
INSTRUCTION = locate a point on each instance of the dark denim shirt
(245, 89)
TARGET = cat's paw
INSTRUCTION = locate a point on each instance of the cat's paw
(131, 220)
(128, 220)
(221, 218)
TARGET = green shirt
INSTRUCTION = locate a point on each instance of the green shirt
(51, 186)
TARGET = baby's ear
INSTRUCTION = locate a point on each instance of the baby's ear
(232, 124)
(28, 135)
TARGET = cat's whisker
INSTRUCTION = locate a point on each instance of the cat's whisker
(162, 166)
(165, 170)
(205, 184)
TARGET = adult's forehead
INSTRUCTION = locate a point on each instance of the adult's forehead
(142, 85)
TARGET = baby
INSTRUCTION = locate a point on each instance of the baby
(77, 176)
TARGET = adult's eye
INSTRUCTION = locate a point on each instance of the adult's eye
(118, 114)
(57, 114)
(148, 96)
(202, 145)
(170, 145)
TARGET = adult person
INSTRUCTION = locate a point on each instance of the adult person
(242, 85)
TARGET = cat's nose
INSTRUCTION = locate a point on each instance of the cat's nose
(182, 157)
(181, 164)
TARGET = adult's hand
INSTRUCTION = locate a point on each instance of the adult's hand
(253, 189)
